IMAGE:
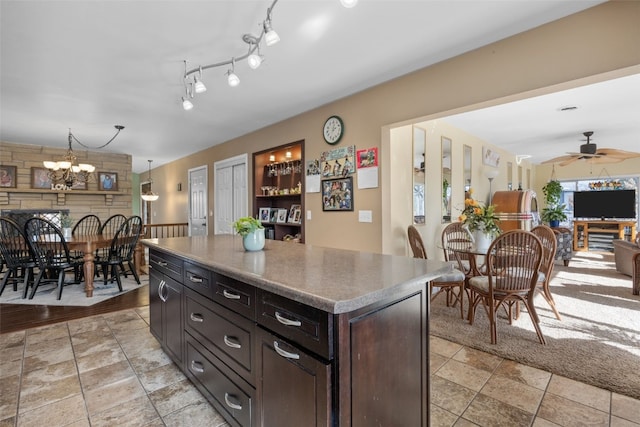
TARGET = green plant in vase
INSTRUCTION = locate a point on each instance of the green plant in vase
(66, 221)
(553, 213)
(246, 225)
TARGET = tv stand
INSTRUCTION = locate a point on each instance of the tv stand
(582, 228)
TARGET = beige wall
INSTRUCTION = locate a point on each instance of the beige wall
(79, 203)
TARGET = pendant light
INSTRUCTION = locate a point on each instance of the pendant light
(150, 196)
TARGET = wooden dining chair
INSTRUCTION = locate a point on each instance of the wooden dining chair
(455, 237)
(513, 263)
(51, 254)
(549, 245)
(16, 255)
(446, 283)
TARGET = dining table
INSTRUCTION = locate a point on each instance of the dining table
(88, 244)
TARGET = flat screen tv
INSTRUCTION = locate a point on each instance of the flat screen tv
(609, 204)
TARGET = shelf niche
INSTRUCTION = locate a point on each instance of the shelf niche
(269, 185)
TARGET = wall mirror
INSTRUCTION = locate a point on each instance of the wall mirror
(419, 148)
(446, 179)
(466, 154)
(510, 175)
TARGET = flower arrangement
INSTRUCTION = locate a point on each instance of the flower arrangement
(478, 217)
(246, 225)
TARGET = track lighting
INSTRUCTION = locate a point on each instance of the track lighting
(253, 56)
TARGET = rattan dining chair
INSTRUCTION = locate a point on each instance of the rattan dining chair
(51, 254)
(513, 263)
(16, 255)
(446, 283)
(121, 252)
(549, 245)
(454, 236)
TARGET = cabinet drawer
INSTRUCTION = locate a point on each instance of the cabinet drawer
(197, 278)
(307, 326)
(166, 264)
(234, 295)
(227, 392)
(224, 333)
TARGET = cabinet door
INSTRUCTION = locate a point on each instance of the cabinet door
(173, 326)
(293, 387)
(155, 305)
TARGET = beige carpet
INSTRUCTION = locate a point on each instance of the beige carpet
(73, 295)
(596, 342)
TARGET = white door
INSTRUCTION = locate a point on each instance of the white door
(198, 201)
(230, 192)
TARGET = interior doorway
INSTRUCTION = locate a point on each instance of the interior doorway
(231, 196)
(198, 190)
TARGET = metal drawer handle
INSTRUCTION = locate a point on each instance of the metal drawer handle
(197, 366)
(230, 295)
(160, 289)
(163, 263)
(230, 404)
(196, 317)
(232, 342)
(286, 321)
(196, 279)
(283, 353)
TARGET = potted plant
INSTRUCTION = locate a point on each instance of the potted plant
(252, 232)
(65, 223)
(553, 213)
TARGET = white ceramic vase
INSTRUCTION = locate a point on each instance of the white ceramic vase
(482, 240)
(254, 241)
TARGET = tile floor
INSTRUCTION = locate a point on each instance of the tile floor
(108, 370)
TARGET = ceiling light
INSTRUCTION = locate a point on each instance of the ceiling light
(198, 86)
(149, 196)
(287, 155)
(69, 172)
(348, 3)
(270, 36)
(272, 158)
(186, 104)
(232, 79)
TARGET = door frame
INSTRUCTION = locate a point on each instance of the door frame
(206, 170)
(220, 164)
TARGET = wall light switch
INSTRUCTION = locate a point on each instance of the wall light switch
(365, 216)
(309, 215)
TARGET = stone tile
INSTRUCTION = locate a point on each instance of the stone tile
(175, 396)
(12, 339)
(149, 360)
(436, 362)
(138, 323)
(579, 392)
(439, 417)
(45, 359)
(11, 354)
(60, 413)
(43, 346)
(134, 413)
(450, 396)
(10, 368)
(443, 347)
(625, 407)
(88, 345)
(46, 333)
(105, 375)
(197, 414)
(8, 422)
(566, 412)
(50, 373)
(463, 374)
(160, 377)
(464, 423)
(112, 395)
(100, 359)
(36, 394)
(137, 342)
(478, 359)
(10, 387)
(621, 422)
(541, 422)
(95, 324)
(513, 393)
(487, 411)
(524, 374)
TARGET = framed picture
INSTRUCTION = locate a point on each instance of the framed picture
(79, 185)
(264, 214)
(292, 212)
(490, 157)
(8, 176)
(273, 215)
(107, 181)
(282, 216)
(337, 194)
(40, 178)
(297, 216)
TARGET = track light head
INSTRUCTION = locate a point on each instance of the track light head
(270, 36)
(186, 104)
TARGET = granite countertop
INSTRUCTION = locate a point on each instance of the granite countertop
(333, 280)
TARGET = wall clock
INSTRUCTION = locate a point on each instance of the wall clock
(333, 130)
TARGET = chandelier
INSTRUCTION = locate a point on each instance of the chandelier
(149, 196)
(253, 56)
(68, 170)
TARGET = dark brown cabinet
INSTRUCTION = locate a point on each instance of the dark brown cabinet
(279, 188)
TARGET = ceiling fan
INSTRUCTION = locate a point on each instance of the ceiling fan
(590, 153)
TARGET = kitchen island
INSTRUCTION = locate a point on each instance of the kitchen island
(295, 334)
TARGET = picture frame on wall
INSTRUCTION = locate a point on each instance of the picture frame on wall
(264, 214)
(490, 157)
(107, 181)
(8, 176)
(40, 178)
(337, 194)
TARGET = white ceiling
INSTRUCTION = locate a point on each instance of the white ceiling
(88, 65)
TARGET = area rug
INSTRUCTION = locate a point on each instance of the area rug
(72, 295)
(596, 342)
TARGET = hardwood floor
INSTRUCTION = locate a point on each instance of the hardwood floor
(16, 317)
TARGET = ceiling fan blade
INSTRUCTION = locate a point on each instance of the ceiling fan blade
(613, 152)
(569, 158)
(584, 155)
(569, 161)
(604, 159)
